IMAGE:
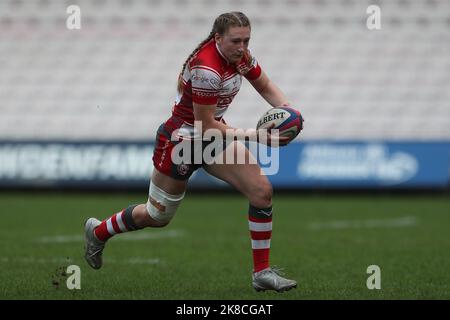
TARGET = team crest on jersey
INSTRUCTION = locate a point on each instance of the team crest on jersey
(214, 82)
(183, 169)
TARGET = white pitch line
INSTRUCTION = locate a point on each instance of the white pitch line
(33, 260)
(29, 260)
(132, 236)
(361, 224)
(135, 260)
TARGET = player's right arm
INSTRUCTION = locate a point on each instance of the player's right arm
(205, 114)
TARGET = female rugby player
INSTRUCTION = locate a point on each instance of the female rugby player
(210, 78)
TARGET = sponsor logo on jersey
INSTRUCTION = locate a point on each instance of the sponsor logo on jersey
(204, 94)
(183, 169)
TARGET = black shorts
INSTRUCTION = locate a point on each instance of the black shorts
(162, 154)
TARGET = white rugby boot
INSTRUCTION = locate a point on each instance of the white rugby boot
(93, 247)
(271, 279)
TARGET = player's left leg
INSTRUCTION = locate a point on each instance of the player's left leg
(249, 179)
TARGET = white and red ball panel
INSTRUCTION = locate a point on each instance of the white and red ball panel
(287, 120)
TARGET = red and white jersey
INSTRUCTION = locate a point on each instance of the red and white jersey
(210, 79)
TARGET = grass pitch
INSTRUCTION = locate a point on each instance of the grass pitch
(325, 242)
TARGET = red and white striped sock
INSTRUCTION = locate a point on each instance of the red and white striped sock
(117, 223)
(260, 224)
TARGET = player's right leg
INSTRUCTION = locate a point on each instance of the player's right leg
(166, 192)
(165, 195)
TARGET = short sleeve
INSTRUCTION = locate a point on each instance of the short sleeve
(249, 66)
(254, 72)
(205, 85)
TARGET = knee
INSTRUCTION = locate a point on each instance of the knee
(261, 197)
(142, 218)
(161, 206)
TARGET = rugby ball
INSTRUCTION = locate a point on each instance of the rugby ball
(287, 120)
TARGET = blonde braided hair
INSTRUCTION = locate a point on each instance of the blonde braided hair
(220, 26)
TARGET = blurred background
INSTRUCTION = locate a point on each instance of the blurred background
(81, 107)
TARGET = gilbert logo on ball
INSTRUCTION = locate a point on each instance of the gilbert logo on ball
(287, 120)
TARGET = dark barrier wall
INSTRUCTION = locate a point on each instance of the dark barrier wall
(312, 164)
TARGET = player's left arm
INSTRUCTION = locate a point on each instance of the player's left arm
(269, 91)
